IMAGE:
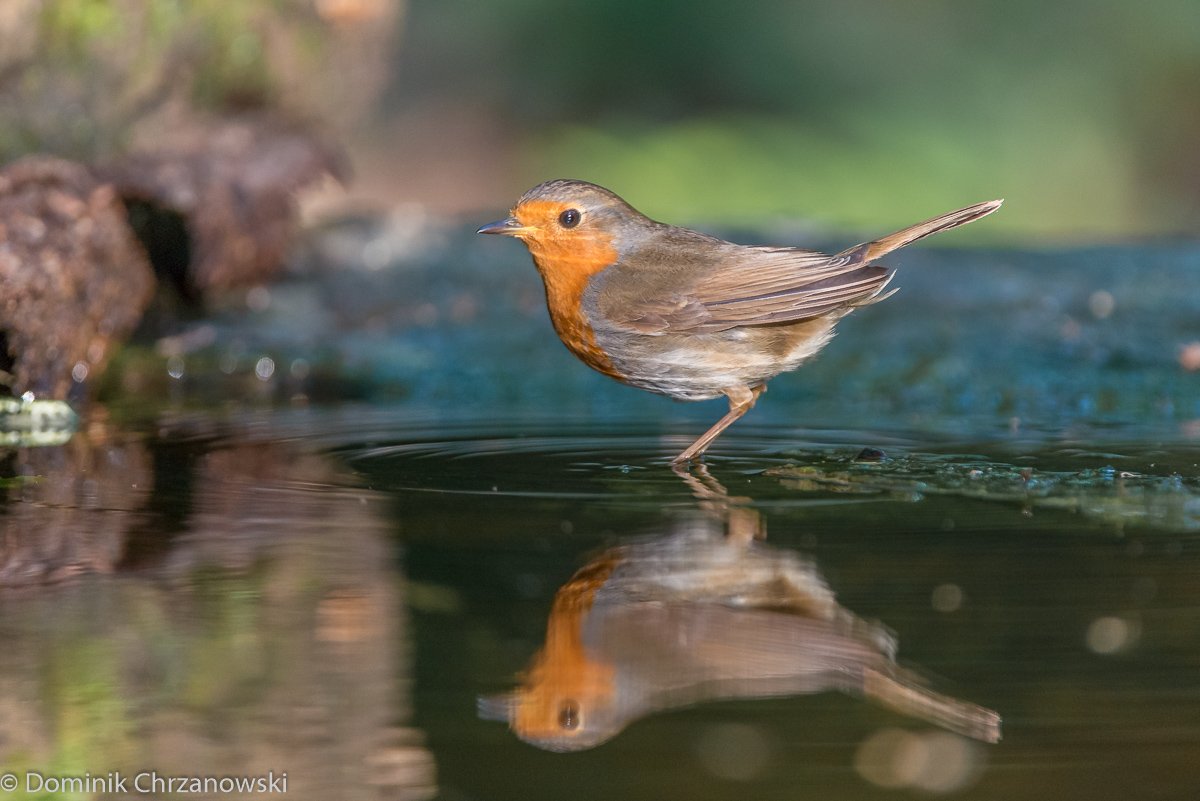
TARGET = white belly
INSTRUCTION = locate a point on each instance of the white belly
(699, 367)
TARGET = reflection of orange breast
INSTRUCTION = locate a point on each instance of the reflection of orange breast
(563, 669)
(566, 268)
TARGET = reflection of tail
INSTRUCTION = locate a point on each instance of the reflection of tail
(902, 692)
(873, 250)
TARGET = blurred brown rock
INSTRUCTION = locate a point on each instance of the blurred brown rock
(215, 206)
(195, 606)
(70, 510)
(73, 279)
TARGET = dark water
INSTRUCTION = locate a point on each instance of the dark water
(1079, 625)
(216, 589)
(243, 596)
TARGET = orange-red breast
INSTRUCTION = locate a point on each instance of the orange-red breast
(685, 314)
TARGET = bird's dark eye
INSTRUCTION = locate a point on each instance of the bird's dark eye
(569, 218)
(568, 711)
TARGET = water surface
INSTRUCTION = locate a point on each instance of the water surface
(253, 576)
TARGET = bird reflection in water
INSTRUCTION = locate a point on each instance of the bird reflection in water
(706, 612)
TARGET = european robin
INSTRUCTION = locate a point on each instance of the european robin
(682, 313)
(696, 616)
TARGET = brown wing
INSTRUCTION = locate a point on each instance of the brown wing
(755, 286)
(747, 286)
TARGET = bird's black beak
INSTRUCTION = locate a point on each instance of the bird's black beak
(508, 227)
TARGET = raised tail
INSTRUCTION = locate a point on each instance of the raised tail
(870, 251)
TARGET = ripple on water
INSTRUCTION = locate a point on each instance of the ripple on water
(620, 467)
(1120, 482)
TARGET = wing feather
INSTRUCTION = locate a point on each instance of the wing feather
(758, 286)
(751, 286)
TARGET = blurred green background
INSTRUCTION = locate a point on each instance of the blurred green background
(849, 113)
(1082, 113)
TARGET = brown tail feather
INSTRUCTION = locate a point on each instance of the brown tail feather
(903, 692)
(880, 247)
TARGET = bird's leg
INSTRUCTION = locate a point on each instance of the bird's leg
(741, 400)
(742, 523)
(701, 482)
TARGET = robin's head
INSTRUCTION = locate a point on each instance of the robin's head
(564, 704)
(570, 224)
